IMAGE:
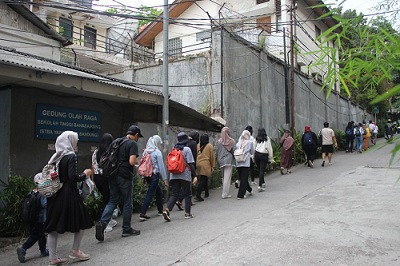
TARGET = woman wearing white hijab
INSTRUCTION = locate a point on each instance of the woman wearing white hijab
(243, 168)
(153, 147)
(66, 211)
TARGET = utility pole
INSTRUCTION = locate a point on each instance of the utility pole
(285, 71)
(292, 114)
(165, 114)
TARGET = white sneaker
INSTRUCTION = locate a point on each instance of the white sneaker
(260, 189)
(108, 229)
(263, 185)
(253, 183)
(226, 196)
(112, 223)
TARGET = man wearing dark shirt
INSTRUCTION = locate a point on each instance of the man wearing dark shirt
(122, 185)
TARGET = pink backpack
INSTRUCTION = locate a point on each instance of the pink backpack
(145, 168)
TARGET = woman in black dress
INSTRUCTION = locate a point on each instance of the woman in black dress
(66, 211)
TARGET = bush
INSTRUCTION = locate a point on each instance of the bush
(12, 198)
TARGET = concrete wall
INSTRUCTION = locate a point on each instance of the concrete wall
(253, 89)
(27, 154)
(5, 118)
(20, 34)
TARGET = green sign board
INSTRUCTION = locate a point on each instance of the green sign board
(375, 110)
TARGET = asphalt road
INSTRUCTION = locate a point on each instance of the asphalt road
(345, 214)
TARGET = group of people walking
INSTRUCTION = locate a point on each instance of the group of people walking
(362, 134)
(67, 213)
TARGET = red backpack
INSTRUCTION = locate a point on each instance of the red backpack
(176, 162)
(145, 168)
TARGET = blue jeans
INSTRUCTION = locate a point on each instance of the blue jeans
(359, 142)
(119, 187)
(154, 188)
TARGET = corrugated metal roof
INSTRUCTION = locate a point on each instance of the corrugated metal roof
(12, 57)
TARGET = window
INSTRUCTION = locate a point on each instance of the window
(175, 48)
(66, 28)
(203, 35)
(261, 1)
(317, 33)
(264, 23)
(90, 37)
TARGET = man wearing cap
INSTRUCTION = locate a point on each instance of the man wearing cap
(122, 185)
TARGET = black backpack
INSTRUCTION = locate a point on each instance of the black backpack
(31, 208)
(307, 141)
(109, 160)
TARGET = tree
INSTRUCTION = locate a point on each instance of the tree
(368, 56)
(149, 14)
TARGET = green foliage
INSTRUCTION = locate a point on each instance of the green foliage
(93, 205)
(112, 10)
(12, 198)
(368, 55)
(148, 14)
(341, 139)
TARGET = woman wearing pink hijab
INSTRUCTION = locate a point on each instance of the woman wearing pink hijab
(225, 146)
(287, 146)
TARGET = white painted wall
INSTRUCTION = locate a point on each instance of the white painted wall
(29, 42)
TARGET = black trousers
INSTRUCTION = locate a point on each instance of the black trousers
(36, 234)
(104, 188)
(243, 173)
(261, 160)
(203, 185)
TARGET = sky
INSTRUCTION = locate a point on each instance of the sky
(363, 6)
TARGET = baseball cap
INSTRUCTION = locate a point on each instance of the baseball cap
(133, 130)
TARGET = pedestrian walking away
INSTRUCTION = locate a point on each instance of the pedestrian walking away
(225, 147)
(309, 144)
(252, 172)
(121, 186)
(153, 147)
(101, 181)
(349, 135)
(263, 156)
(328, 141)
(358, 135)
(182, 181)
(36, 224)
(366, 137)
(192, 144)
(205, 165)
(287, 146)
(66, 211)
(243, 167)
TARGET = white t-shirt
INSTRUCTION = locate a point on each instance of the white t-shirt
(327, 136)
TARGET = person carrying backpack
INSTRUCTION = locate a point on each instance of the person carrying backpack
(121, 186)
(358, 133)
(98, 178)
(37, 213)
(153, 147)
(349, 135)
(182, 180)
(309, 144)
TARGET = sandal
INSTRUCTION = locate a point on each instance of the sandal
(78, 254)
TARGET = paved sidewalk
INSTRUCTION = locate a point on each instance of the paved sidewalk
(345, 214)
